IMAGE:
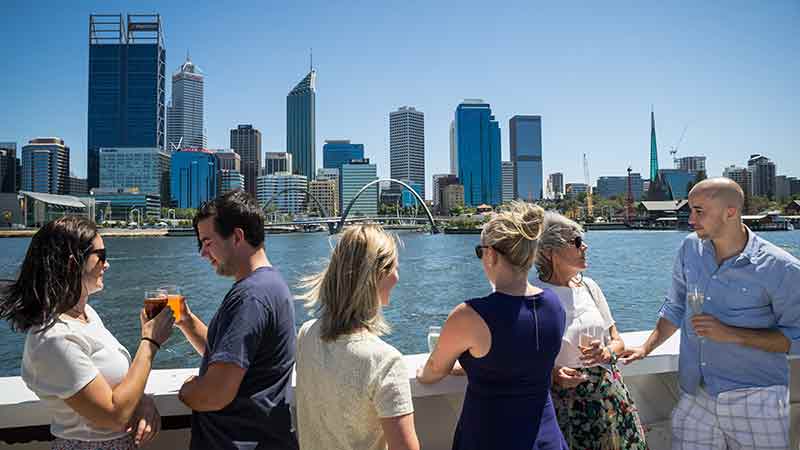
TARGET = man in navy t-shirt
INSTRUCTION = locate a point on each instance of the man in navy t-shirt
(238, 400)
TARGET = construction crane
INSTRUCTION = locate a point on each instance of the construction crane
(589, 212)
(674, 150)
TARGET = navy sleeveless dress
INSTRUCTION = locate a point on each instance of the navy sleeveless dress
(507, 404)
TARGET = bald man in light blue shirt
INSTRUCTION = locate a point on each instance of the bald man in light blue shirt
(736, 299)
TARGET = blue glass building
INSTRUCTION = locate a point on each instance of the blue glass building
(477, 144)
(126, 85)
(336, 153)
(677, 182)
(408, 198)
(525, 139)
(300, 126)
(193, 177)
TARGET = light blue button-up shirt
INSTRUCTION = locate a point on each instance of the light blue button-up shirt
(759, 288)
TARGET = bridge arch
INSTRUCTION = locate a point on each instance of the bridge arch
(322, 210)
(340, 226)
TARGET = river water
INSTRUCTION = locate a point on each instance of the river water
(436, 273)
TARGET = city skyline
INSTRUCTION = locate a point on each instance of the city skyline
(594, 84)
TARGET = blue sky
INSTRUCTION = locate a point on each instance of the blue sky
(728, 70)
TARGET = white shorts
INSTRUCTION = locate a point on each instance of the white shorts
(752, 418)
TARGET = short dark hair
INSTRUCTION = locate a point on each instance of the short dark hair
(235, 209)
(50, 279)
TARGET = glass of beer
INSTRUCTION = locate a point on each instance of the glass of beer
(175, 299)
(154, 301)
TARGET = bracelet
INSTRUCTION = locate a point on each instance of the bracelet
(152, 341)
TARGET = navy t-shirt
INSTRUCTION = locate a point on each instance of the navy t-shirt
(254, 329)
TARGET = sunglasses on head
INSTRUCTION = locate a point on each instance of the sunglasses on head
(479, 250)
(100, 252)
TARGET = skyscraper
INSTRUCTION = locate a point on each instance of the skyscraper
(741, 176)
(337, 152)
(407, 146)
(477, 137)
(45, 166)
(293, 201)
(246, 141)
(127, 86)
(8, 167)
(144, 170)
(194, 177)
(762, 176)
(693, 164)
(653, 148)
(300, 126)
(354, 175)
(556, 185)
(185, 111)
(508, 181)
(275, 162)
(230, 176)
(525, 140)
(440, 181)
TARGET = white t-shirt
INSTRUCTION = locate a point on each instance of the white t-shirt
(61, 361)
(345, 387)
(585, 306)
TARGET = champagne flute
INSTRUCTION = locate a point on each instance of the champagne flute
(590, 335)
(695, 298)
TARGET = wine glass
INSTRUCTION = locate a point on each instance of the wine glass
(590, 335)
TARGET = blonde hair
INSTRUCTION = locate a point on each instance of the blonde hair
(514, 232)
(345, 295)
(558, 232)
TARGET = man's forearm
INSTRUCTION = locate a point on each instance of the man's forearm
(768, 340)
(196, 333)
(664, 330)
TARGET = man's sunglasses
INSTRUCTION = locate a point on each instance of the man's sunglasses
(479, 250)
(100, 252)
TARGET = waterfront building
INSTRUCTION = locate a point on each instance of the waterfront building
(741, 176)
(407, 146)
(326, 191)
(275, 162)
(145, 170)
(9, 164)
(694, 164)
(185, 111)
(194, 177)
(340, 151)
(666, 214)
(676, 183)
(617, 186)
(45, 166)
(287, 192)
(508, 181)
(783, 187)
(525, 145)
(128, 205)
(353, 176)
(127, 86)
(246, 141)
(477, 139)
(452, 197)
(762, 176)
(78, 186)
(301, 125)
(407, 198)
(572, 190)
(34, 209)
(556, 182)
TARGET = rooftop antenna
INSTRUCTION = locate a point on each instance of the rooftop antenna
(311, 55)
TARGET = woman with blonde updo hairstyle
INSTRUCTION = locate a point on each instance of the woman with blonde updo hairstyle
(506, 342)
(352, 387)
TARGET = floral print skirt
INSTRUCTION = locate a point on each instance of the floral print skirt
(599, 413)
(123, 443)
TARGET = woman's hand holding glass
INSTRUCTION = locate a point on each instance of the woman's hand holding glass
(593, 347)
(159, 328)
(567, 377)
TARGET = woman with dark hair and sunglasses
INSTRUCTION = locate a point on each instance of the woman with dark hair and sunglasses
(594, 408)
(84, 376)
(506, 343)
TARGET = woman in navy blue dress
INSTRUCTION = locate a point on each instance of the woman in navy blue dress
(506, 343)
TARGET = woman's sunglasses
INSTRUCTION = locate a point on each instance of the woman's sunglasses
(578, 241)
(100, 252)
(479, 250)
